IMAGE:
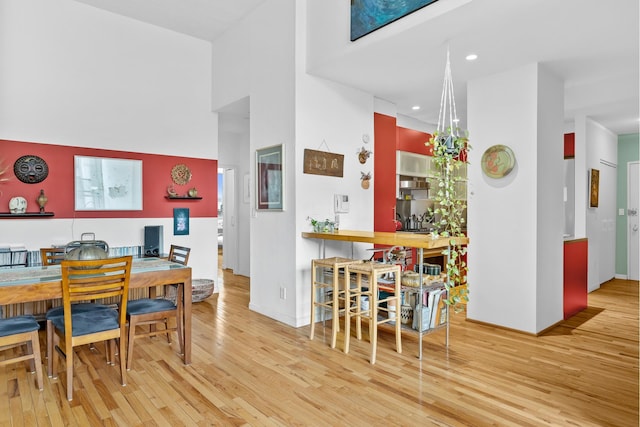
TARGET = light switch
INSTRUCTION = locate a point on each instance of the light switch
(620, 212)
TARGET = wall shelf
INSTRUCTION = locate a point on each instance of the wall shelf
(26, 215)
(182, 198)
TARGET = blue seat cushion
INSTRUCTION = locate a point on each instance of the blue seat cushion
(89, 322)
(75, 308)
(148, 305)
(18, 325)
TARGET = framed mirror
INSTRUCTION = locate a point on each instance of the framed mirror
(107, 184)
(270, 178)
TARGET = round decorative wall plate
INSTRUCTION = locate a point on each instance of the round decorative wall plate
(31, 169)
(498, 161)
(180, 174)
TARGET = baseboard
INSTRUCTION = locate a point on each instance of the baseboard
(621, 276)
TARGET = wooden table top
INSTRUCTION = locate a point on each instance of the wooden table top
(424, 241)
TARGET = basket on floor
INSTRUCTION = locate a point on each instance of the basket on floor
(201, 289)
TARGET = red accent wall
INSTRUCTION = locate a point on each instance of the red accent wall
(384, 176)
(413, 141)
(575, 276)
(156, 176)
(569, 145)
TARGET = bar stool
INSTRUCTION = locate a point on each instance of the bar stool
(373, 273)
(337, 266)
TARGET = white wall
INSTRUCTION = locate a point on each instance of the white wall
(549, 200)
(508, 240)
(290, 107)
(260, 53)
(79, 76)
(601, 145)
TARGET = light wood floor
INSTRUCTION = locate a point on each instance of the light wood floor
(251, 370)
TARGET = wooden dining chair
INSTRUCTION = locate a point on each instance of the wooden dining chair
(51, 256)
(19, 331)
(87, 280)
(156, 311)
(179, 254)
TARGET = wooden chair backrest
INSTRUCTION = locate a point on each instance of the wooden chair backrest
(179, 254)
(86, 280)
(52, 256)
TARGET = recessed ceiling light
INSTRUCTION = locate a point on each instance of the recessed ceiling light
(415, 107)
(471, 57)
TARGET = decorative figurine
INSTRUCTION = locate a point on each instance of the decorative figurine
(18, 205)
(42, 200)
(193, 192)
(171, 191)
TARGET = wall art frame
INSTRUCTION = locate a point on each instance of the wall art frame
(594, 188)
(323, 163)
(270, 174)
(367, 16)
(180, 221)
(107, 184)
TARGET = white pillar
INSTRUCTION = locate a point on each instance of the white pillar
(515, 223)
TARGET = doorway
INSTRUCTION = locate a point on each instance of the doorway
(220, 210)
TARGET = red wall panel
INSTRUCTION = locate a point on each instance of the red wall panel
(569, 145)
(156, 176)
(575, 276)
(384, 177)
(413, 141)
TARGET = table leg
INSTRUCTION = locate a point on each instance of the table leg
(186, 312)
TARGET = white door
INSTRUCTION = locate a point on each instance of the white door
(607, 223)
(633, 234)
(230, 229)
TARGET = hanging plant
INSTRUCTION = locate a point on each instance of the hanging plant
(450, 159)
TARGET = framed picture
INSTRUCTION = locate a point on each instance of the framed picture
(270, 178)
(368, 16)
(323, 163)
(181, 221)
(594, 190)
(107, 184)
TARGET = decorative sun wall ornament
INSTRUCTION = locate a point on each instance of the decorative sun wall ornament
(180, 174)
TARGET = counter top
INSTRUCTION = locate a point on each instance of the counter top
(412, 240)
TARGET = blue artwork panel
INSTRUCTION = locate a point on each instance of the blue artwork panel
(369, 15)
(180, 221)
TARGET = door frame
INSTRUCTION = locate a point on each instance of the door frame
(631, 187)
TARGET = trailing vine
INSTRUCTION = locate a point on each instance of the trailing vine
(449, 160)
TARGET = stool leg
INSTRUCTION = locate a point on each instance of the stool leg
(313, 299)
(373, 316)
(397, 298)
(335, 306)
(358, 306)
(347, 311)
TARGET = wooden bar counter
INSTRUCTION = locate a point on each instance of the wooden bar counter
(424, 243)
(412, 240)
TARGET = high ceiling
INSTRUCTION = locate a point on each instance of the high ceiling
(593, 45)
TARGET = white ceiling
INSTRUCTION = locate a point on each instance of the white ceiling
(592, 44)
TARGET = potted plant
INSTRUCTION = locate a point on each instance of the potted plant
(449, 160)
